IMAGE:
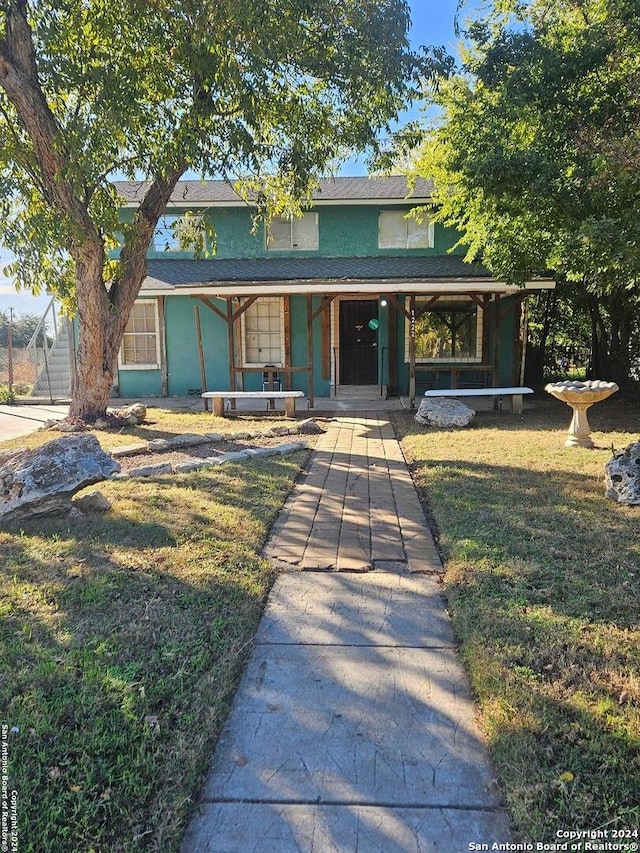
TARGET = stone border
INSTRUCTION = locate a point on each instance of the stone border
(179, 442)
(208, 461)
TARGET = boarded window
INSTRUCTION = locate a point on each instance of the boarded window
(396, 231)
(299, 234)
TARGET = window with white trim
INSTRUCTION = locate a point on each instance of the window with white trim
(140, 349)
(297, 233)
(179, 233)
(397, 231)
(451, 331)
(263, 332)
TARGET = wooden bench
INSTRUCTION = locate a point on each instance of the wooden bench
(515, 393)
(218, 398)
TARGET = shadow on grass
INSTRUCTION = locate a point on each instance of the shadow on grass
(543, 580)
(122, 640)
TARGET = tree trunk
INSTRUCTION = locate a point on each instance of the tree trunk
(98, 339)
(535, 368)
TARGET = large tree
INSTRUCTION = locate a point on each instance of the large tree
(537, 155)
(270, 90)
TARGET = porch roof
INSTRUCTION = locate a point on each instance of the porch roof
(246, 276)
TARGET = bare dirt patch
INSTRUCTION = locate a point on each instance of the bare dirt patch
(203, 451)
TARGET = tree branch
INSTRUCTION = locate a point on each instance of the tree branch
(19, 79)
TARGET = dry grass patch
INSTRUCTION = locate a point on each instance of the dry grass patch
(163, 423)
(542, 578)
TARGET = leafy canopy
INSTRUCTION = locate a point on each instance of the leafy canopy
(537, 157)
(273, 91)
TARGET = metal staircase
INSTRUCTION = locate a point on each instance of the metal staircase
(52, 354)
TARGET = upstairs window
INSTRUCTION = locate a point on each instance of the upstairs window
(140, 348)
(293, 234)
(263, 332)
(179, 233)
(396, 231)
(450, 332)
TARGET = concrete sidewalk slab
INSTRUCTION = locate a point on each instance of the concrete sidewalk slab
(18, 420)
(376, 609)
(290, 828)
(360, 725)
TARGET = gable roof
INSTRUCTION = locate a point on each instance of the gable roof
(391, 189)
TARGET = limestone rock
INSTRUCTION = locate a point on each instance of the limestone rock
(309, 427)
(622, 475)
(443, 412)
(158, 445)
(93, 501)
(151, 470)
(42, 481)
(187, 439)
(9, 454)
(133, 414)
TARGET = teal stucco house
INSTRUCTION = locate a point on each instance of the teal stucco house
(350, 298)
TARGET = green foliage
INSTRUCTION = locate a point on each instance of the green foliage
(536, 159)
(22, 328)
(7, 397)
(273, 92)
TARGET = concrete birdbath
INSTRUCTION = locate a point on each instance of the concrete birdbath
(580, 395)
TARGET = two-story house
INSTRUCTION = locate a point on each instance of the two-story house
(352, 295)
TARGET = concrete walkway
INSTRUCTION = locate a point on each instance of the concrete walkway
(353, 727)
(23, 419)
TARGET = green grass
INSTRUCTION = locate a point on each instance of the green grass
(542, 575)
(122, 639)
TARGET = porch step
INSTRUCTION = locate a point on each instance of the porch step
(359, 392)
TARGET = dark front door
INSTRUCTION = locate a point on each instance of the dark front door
(358, 342)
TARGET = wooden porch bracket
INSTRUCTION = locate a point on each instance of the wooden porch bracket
(327, 299)
(212, 306)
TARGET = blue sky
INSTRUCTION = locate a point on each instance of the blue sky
(432, 23)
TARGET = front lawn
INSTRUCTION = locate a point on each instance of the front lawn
(122, 639)
(543, 580)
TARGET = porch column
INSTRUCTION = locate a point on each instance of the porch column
(230, 343)
(496, 347)
(286, 378)
(310, 349)
(412, 351)
(392, 355)
(496, 339)
(162, 331)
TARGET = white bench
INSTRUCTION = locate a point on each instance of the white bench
(515, 393)
(218, 398)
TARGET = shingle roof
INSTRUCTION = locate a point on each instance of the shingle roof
(175, 273)
(394, 187)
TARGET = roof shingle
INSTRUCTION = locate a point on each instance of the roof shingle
(183, 273)
(394, 187)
